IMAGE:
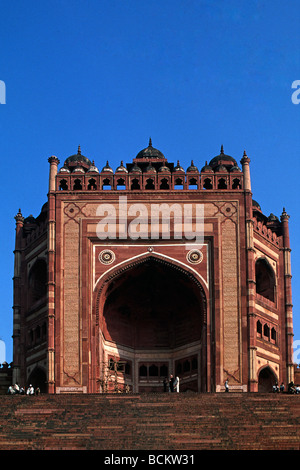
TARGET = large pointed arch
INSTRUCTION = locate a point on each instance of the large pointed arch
(185, 275)
(102, 283)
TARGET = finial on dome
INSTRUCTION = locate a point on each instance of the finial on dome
(150, 142)
(222, 150)
(79, 150)
(245, 154)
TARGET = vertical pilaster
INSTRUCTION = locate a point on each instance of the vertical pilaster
(250, 273)
(288, 296)
(17, 298)
(51, 273)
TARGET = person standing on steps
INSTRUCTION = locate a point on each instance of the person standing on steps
(226, 386)
(171, 383)
(176, 384)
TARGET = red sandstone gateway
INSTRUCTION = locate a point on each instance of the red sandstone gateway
(125, 310)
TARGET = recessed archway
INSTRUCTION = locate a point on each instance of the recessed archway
(266, 379)
(152, 316)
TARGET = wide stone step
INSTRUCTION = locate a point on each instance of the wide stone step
(151, 421)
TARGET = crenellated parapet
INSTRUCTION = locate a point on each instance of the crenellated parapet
(149, 170)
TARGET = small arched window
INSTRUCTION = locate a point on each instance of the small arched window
(37, 281)
(63, 185)
(135, 184)
(150, 184)
(121, 184)
(77, 185)
(207, 184)
(265, 279)
(193, 183)
(259, 328)
(164, 184)
(143, 371)
(106, 184)
(236, 184)
(178, 183)
(222, 184)
(267, 331)
(92, 185)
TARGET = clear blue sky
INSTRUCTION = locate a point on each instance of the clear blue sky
(107, 74)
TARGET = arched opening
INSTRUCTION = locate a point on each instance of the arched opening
(266, 380)
(38, 379)
(153, 316)
(164, 184)
(63, 185)
(222, 184)
(92, 186)
(135, 184)
(178, 184)
(121, 184)
(236, 184)
(193, 183)
(207, 183)
(265, 279)
(37, 281)
(149, 184)
(77, 185)
(106, 184)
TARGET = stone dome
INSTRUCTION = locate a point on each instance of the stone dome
(77, 159)
(107, 168)
(206, 168)
(150, 152)
(135, 169)
(164, 169)
(121, 168)
(222, 159)
(178, 167)
(192, 168)
(93, 168)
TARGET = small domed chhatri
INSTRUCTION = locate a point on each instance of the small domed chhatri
(207, 168)
(77, 159)
(93, 168)
(107, 168)
(192, 168)
(150, 152)
(223, 159)
(121, 168)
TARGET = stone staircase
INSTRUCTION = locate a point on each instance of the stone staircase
(187, 421)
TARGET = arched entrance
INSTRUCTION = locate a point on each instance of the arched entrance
(38, 379)
(266, 380)
(152, 323)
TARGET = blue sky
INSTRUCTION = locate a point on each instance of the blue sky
(108, 74)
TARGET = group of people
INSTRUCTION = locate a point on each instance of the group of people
(171, 384)
(17, 390)
(292, 388)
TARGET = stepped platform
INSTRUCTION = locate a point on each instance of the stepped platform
(187, 421)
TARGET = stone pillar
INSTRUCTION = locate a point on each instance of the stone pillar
(54, 162)
(17, 296)
(288, 296)
(251, 284)
(51, 273)
(246, 171)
